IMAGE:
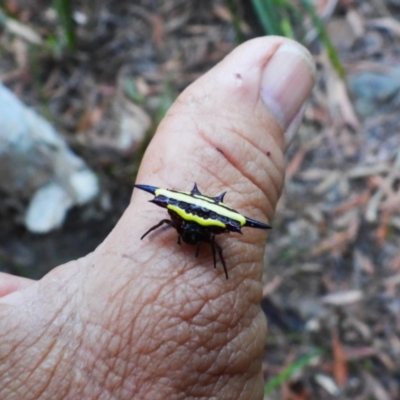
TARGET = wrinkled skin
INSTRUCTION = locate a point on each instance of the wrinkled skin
(146, 319)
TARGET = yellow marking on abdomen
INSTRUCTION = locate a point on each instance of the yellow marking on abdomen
(188, 198)
(195, 218)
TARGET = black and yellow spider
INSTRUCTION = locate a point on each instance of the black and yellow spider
(198, 218)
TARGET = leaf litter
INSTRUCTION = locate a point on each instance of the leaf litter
(331, 281)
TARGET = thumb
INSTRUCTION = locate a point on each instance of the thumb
(226, 133)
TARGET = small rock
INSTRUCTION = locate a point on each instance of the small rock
(47, 208)
(37, 164)
(374, 89)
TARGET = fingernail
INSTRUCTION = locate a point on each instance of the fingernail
(287, 82)
(293, 127)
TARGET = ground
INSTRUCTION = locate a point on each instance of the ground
(332, 270)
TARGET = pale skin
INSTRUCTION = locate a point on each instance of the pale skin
(146, 319)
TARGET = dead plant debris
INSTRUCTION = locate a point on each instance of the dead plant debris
(332, 264)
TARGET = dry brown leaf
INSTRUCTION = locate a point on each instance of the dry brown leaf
(328, 384)
(385, 188)
(158, 31)
(382, 231)
(364, 262)
(360, 171)
(295, 163)
(223, 13)
(356, 22)
(376, 388)
(20, 50)
(340, 106)
(341, 33)
(340, 370)
(23, 31)
(392, 280)
(388, 23)
(359, 353)
(392, 202)
(394, 264)
(345, 220)
(11, 6)
(331, 178)
(356, 200)
(142, 86)
(318, 115)
(314, 174)
(343, 298)
(386, 361)
(272, 285)
(339, 241)
(91, 118)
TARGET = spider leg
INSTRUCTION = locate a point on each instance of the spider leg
(179, 240)
(219, 249)
(198, 249)
(163, 221)
(212, 244)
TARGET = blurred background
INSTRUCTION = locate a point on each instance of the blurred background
(84, 85)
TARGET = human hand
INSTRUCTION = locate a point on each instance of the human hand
(146, 319)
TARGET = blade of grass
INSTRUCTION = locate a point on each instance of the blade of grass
(167, 99)
(64, 12)
(233, 8)
(285, 375)
(274, 16)
(268, 16)
(287, 28)
(132, 92)
(319, 26)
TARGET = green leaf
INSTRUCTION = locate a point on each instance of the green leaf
(268, 16)
(285, 375)
(65, 16)
(323, 34)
